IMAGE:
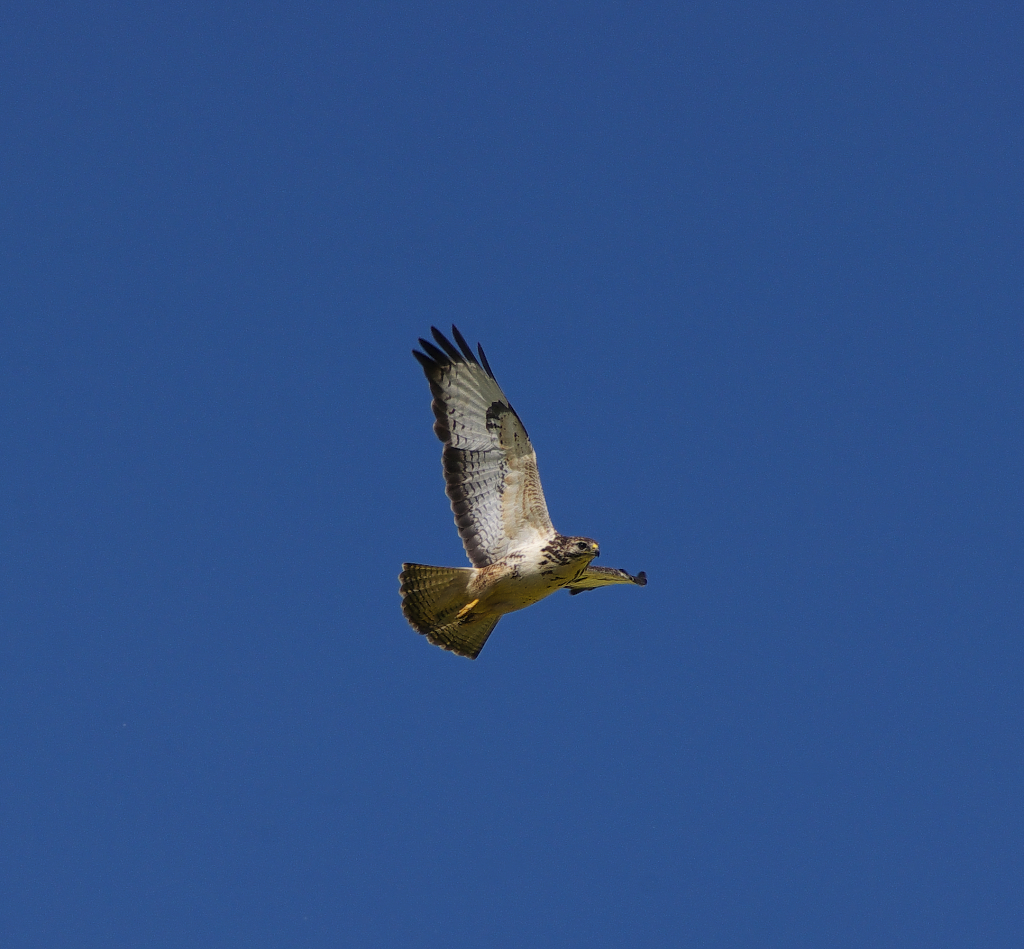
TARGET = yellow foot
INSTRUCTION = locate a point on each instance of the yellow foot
(466, 609)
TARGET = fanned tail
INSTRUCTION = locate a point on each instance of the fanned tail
(435, 601)
(433, 596)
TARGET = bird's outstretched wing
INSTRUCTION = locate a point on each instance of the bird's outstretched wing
(490, 468)
(594, 577)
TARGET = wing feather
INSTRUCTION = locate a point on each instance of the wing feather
(490, 468)
(594, 577)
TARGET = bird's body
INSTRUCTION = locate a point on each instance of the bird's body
(524, 578)
(491, 478)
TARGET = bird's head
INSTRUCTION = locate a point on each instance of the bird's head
(579, 548)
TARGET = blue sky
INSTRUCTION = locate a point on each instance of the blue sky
(751, 275)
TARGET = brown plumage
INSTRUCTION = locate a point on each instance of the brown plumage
(492, 482)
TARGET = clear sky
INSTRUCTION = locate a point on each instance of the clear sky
(752, 276)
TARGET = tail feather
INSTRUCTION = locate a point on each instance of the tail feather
(464, 639)
(432, 598)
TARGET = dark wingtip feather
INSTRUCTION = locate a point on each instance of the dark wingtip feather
(640, 579)
(425, 361)
(440, 358)
(483, 360)
(467, 350)
(445, 352)
(454, 355)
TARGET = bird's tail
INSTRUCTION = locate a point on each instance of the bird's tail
(435, 601)
(433, 596)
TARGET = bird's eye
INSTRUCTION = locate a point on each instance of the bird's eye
(580, 545)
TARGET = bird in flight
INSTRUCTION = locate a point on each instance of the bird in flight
(490, 473)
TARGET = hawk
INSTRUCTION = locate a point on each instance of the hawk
(490, 472)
